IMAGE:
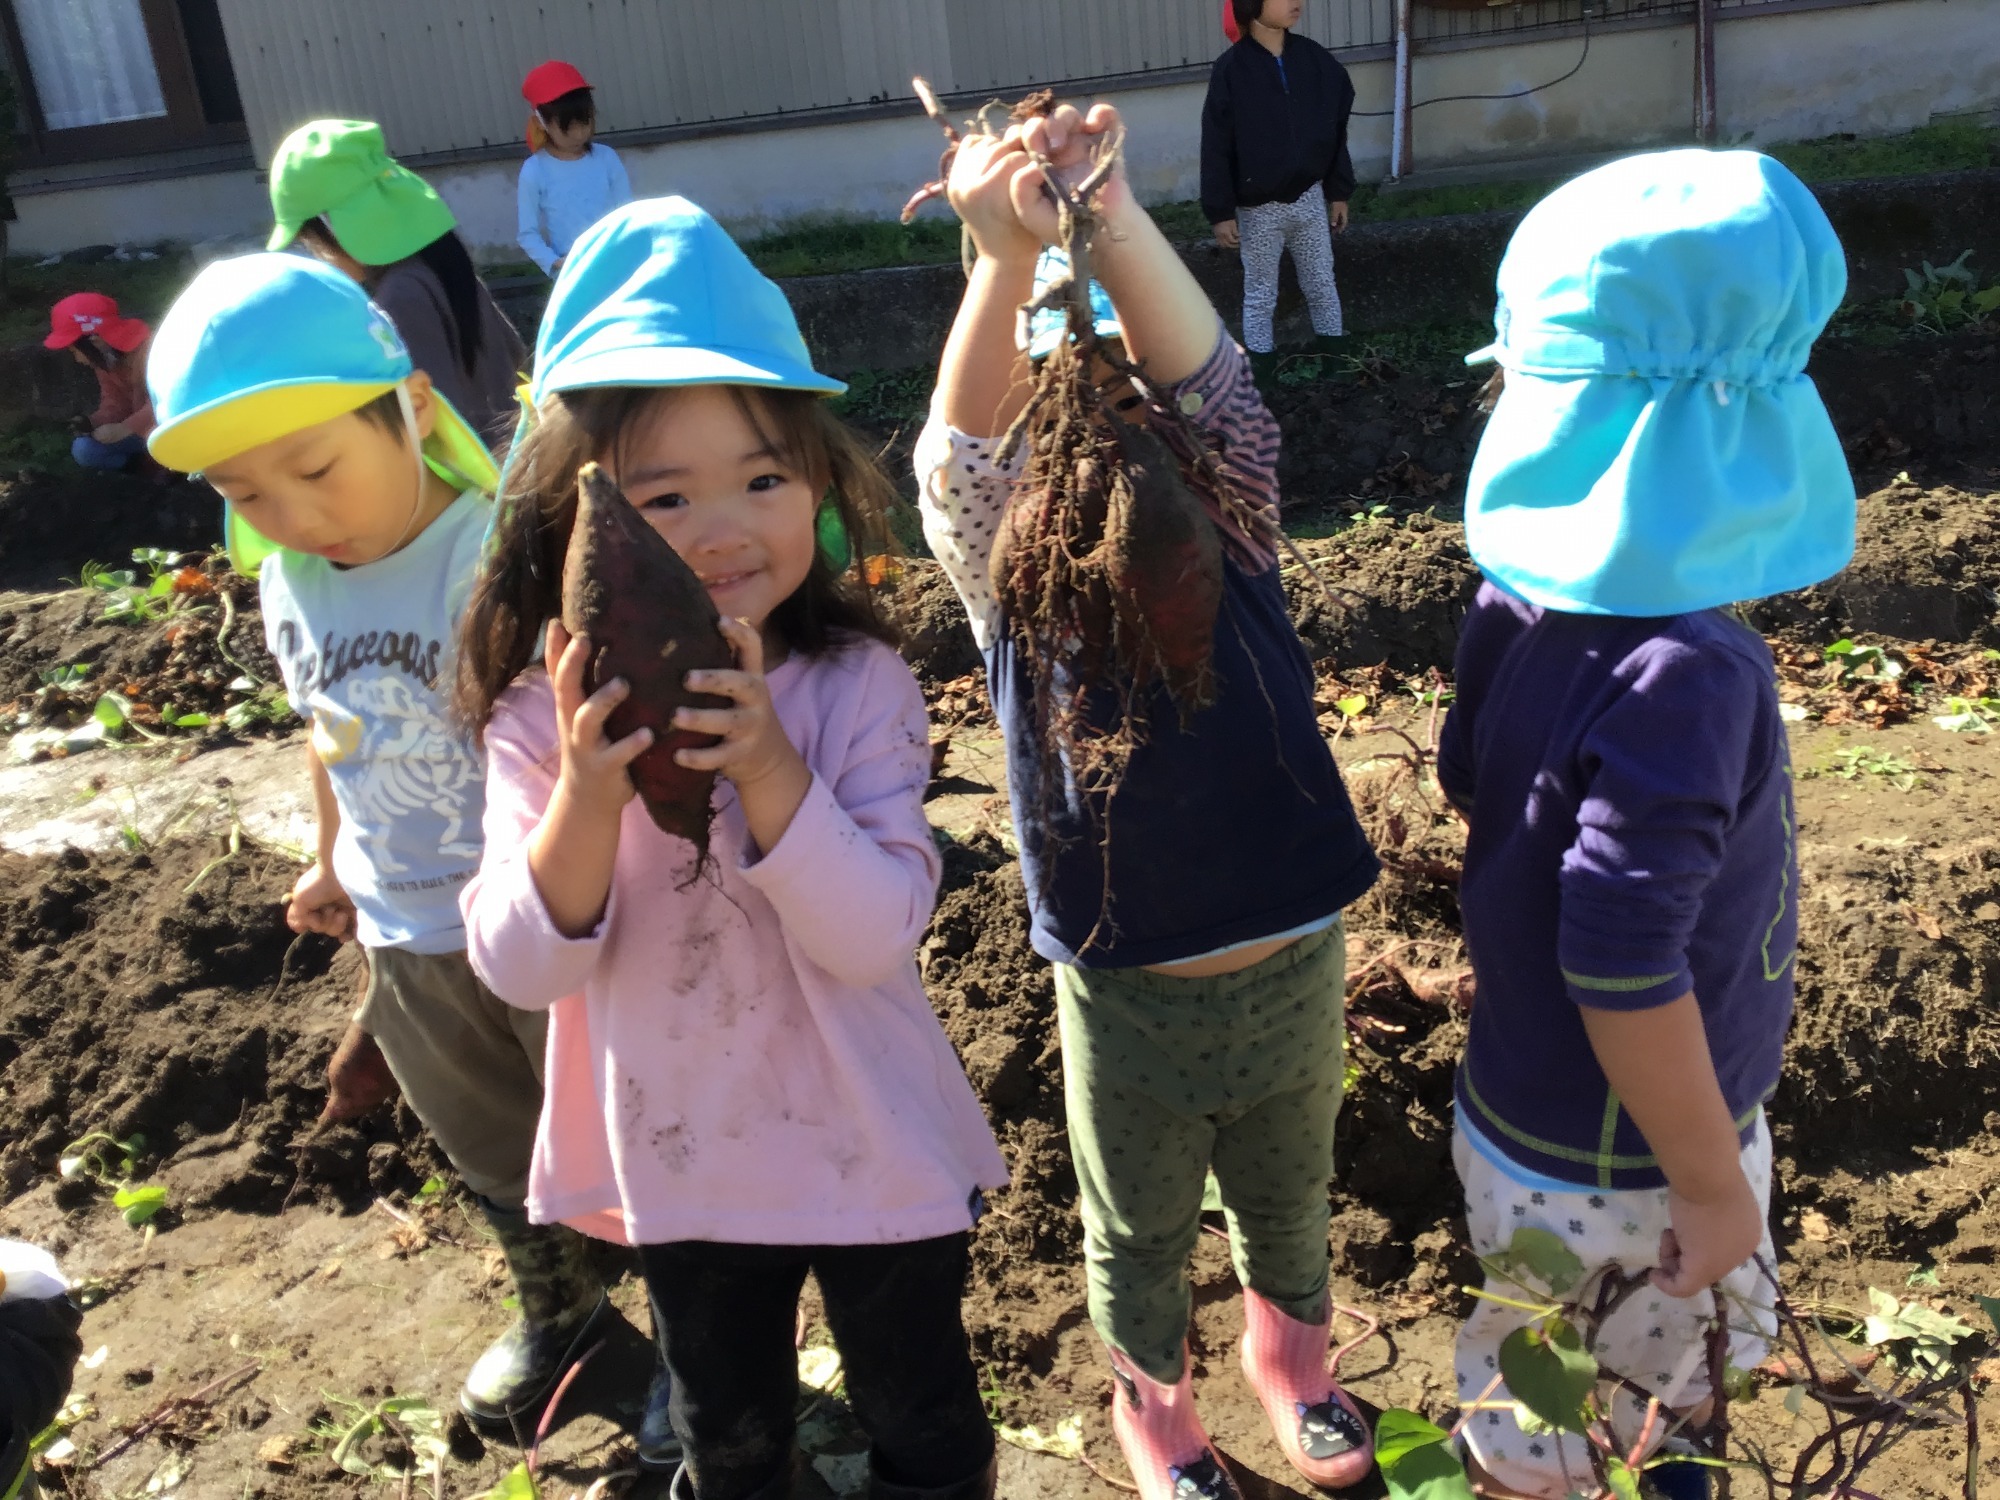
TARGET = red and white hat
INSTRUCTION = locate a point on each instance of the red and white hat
(84, 314)
(550, 81)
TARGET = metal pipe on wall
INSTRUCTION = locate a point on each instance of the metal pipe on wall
(1704, 72)
(1399, 126)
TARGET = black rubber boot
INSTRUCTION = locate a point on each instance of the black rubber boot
(978, 1486)
(659, 1446)
(1329, 343)
(778, 1489)
(1264, 370)
(563, 1304)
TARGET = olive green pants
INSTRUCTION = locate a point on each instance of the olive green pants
(468, 1063)
(1167, 1078)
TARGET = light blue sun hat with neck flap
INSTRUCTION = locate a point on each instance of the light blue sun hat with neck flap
(656, 293)
(1658, 448)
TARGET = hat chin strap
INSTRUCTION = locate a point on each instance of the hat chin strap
(416, 442)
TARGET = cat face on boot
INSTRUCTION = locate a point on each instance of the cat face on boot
(1328, 1430)
(1202, 1480)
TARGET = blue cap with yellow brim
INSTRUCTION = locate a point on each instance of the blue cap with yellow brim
(261, 346)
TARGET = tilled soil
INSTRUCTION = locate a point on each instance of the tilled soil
(159, 992)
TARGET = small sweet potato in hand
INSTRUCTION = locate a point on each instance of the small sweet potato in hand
(651, 622)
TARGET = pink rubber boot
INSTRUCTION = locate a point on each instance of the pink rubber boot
(1162, 1437)
(1317, 1423)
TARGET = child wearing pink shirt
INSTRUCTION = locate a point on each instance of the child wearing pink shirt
(744, 1078)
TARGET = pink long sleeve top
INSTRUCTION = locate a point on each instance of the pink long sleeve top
(747, 1057)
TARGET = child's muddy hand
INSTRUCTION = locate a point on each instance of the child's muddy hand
(1069, 140)
(318, 904)
(980, 190)
(752, 744)
(594, 770)
(1709, 1239)
(357, 1079)
(1226, 235)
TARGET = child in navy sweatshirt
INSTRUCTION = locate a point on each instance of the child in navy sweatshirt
(1276, 174)
(1193, 910)
(1631, 881)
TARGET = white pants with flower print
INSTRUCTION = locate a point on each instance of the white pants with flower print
(1656, 1341)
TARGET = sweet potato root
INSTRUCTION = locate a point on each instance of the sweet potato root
(650, 622)
(1163, 561)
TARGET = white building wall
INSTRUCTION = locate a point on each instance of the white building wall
(1870, 69)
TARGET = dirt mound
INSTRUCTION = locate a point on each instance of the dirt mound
(997, 1001)
(51, 525)
(1401, 590)
(1926, 568)
(1896, 1047)
(130, 1002)
(936, 642)
(192, 653)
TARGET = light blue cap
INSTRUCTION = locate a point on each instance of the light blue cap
(1658, 447)
(261, 346)
(1050, 325)
(656, 293)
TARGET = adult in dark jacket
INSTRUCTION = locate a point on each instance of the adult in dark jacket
(1275, 170)
(39, 1346)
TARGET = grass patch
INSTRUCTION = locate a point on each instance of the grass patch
(1948, 146)
(144, 289)
(819, 247)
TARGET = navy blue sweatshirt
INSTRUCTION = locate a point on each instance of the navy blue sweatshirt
(1273, 127)
(1233, 829)
(1628, 787)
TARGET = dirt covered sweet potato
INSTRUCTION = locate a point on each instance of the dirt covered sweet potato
(650, 622)
(1163, 561)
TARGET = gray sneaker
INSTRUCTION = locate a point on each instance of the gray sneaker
(659, 1446)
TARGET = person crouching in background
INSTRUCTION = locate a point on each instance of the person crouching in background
(113, 348)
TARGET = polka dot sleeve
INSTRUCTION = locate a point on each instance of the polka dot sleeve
(961, 493)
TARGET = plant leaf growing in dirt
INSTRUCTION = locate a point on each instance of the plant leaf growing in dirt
(412, 1418)
(651, 622)
(139, 1205)
(1969, 715)
(516, 1484)
(1550, 1372)
(1917, 1336)
(1416, 1459)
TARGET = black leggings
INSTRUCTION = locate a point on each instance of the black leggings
(727, 1316)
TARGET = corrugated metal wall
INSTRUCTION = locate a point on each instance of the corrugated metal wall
(444, 75)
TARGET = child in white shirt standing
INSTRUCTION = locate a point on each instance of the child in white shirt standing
(569, 181)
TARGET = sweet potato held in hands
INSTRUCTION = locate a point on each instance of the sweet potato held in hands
(651, 622)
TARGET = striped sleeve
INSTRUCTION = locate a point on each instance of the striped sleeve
(1222, 401)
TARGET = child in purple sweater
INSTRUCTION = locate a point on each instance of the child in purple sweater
(1630, 890)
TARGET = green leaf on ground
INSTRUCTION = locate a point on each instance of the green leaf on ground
(139, 1204)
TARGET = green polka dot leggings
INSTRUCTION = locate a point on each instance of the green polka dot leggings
(1167, 1078)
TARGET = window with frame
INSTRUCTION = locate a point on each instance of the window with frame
(108, 78)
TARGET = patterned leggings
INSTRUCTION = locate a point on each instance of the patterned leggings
(1267, 231)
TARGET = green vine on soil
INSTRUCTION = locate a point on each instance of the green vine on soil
(1555, 1383)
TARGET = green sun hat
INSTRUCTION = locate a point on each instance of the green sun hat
(379, 210)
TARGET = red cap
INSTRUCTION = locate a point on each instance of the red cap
(1229, 27)
(550, 81)
(85, 313)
